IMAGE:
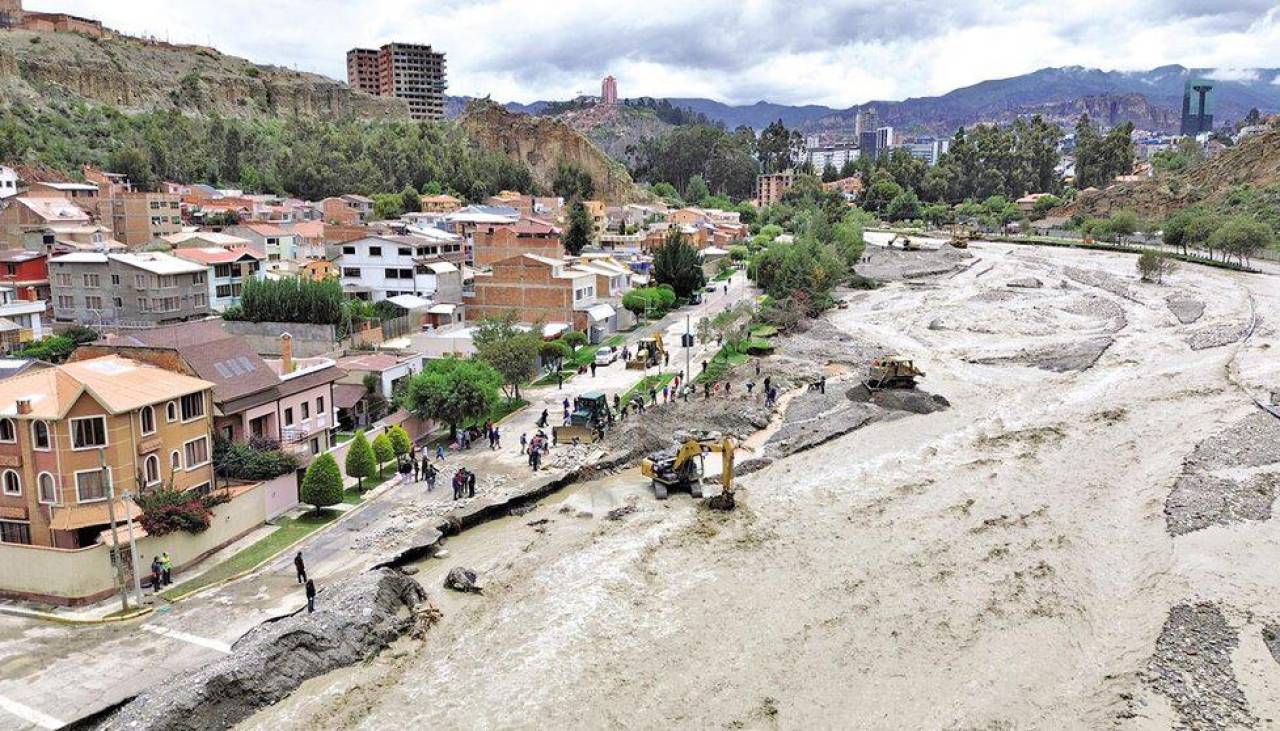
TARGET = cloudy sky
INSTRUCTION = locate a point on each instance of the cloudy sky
(833, 52)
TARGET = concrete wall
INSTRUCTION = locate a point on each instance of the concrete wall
(264, 337)
(280, 495)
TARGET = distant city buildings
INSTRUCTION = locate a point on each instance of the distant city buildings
(408, 71)
(835, 153)
(928, 149)
(1197, 107)
(770, 187)
(609, 91)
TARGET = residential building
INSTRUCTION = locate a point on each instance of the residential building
(204, 240)
(362, 205)
(10, 367)
(58, 428)
(927, 149)
(466, 220)
(771, 186)
(338, 211)
(443, 203)
(274, 242)
(109, 184)
(226, 269)
(82, 192)
(137, 219)
(599, 213)
(27, 272)
(1197, 107)
(309, 239)
(495, 243)
(408, 71)
(30, 223)
(138, 290)
(20, 320)
(8, 182)
(536, 289)
(285, 400)
(832, 154)
(392, 371)
(609, 91)
(378, 267)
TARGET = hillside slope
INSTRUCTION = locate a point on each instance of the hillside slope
(1254, 162)
(135, 75)
(542, 143)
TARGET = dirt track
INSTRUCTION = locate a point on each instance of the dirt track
(1041, 555)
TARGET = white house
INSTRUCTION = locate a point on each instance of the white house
(268, 239)
(378, 267)
(228, 270)
(19, 319)
(8, 182)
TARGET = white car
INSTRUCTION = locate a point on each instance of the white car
(606, 355)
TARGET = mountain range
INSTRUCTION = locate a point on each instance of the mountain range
(1150, 99)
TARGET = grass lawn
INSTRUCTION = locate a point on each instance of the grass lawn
(725, 275)
(343, 436)
(352, 496)
(291, 531)
(550, 379)
(642, 388)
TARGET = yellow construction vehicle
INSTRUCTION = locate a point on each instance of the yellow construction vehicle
(589, 420)
(682, 466)
(907, 243)
(893, 372)
(649, 353)
(960, 237)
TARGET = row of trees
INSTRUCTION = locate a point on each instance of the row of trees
(725, 162)
(304, 157)
(1238, 237)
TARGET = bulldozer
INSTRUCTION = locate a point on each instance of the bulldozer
(681, 467)
(907, 243)
(589, 419)
(649, 352)
(893, 372)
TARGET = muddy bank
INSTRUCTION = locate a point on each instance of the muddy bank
(1186, 309)
(895, 265)
(1212, 489)
(1192, 668)
(353, 621)
(1078, 355)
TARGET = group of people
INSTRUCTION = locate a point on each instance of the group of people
(464, 483)
(161, 571)
(536, 448)
(308, 585)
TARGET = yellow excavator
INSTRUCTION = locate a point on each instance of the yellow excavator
(682, 466)
(649, 352)
(960, 237)
(907, 243)
(893, 372)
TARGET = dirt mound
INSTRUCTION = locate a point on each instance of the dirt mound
(1074, 356)
(353, 620)
(639, 435)
(1199, 501)
(1026, 283)
(1192, 668)
(1186, 309)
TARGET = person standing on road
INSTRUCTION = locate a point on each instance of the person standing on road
(542, 420)
(524, 443)
(157, 576)
(471, 484)
(750, 385)
(822, 384)
(757, 369)
(653, 395)
(559, 379)
(311, 596)
(417, 468)
(666, 358)
(439, 452)
(706, 391)
(593, 369)
(300, 567)
(431, 476)
(768, 381)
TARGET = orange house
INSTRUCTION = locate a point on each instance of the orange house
(496, 242)
(535, 288)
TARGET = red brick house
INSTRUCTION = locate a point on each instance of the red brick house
(27, 272)
(495, 242)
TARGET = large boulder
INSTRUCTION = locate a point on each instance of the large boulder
(463, 580)
(353, 620)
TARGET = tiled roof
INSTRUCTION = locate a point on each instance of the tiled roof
(216, 254)
(119, 384)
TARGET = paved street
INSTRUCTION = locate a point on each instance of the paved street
(51, 674)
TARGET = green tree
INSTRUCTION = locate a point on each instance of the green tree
(581, 230)
(452, 390)
(1242, 238)
(574, 339)
(383, 450)
(677, 263)
(410, 200)
(361, 461)
(401, 444)
(936, 214)
(322, 485)
(696, 191)
(554, 352)
(667, 191)
(905, 206)
(511, 350)
(1154, 265)
(572, 182)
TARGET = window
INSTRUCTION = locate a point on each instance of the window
(223, 290)
(92, 280)
(320, 406)
(200, 300)
(140, 281)
(11, 532)
(375, 251)
(306, 410)
(175, 461)
(315, 445)
(12, 483)
(391, 273)
(115, 280)
(167, 281)
(198, 278)
(196, 452)
(39, 435)
(349, 250)
(222, 271)
(48, 488)
(66, 302)
(91, 486)
(89, 432)
(117, 303)
(93, 302)
(7, 431)
(62, 280)
(147, 415)
(192, 406)
(405, 251)
(171, 411)
(151, 469)
(288, 416)
(142, 304)
(351, 272)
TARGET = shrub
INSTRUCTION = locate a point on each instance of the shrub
(361, 461)
(400, 441)
(322, 485)
(241, 461)
(1153, 266)
(383, 450)
(167, 510)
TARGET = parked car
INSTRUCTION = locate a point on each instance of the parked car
(710, 288)
(606, 355)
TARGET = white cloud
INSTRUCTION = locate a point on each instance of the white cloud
(1230, 74)
(834, 52)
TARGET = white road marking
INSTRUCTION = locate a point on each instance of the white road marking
(29, 714)
(193, 639)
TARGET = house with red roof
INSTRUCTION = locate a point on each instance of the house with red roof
(228, 270)
(275, 242)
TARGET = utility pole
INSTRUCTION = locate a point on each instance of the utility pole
(688, 338)
(115, 536)
(133, 553)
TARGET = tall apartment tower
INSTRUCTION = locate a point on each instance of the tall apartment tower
(609, 91)
(406, 71)
(1197, 107)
